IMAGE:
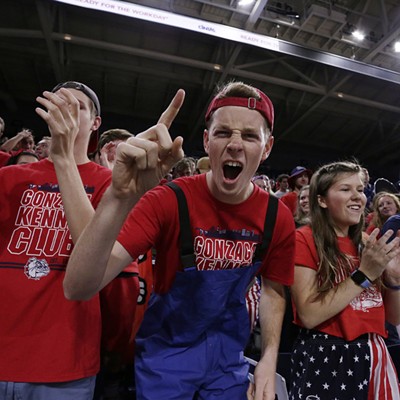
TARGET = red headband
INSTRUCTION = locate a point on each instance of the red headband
(264, 105)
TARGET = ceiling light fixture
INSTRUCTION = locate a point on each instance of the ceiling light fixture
(358, 35)
(397, 47)
(244, 3)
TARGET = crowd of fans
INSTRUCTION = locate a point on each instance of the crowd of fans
(330, 247)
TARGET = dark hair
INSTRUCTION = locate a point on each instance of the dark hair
(182, 165)
(13, 160)
(281, 177)
(111, 135)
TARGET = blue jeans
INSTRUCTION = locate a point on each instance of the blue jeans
(80, 389)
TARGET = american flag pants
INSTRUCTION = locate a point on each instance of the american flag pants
(325, 367)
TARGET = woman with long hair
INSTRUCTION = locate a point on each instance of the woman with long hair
(302, 215)
(343, 291)
(384, 205)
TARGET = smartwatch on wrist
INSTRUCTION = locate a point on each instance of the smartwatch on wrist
(360, 279)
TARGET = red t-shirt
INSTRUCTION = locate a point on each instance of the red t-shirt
(370, 228)
(225, 235)
(145, 267)
(365, 313)
(4, 157)
(118, 303)
(43, 336)
(290, 201)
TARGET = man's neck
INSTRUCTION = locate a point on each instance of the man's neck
(78, 158)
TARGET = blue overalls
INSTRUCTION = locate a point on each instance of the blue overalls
(190, 344)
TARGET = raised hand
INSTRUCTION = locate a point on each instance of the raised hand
(168, 116)
(62, 118)
(392, 271)
(143, 160)
(378, 255)
(108, 154)
(24, 134)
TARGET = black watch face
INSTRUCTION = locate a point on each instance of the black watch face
(359, 278)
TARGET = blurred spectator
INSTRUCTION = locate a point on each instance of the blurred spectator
(393, 339)
(384, 185)
(108, 143)
(384, 205)
(368, 189)
(263, 182)
(298, 178)
(115, 135)
(282, 185)
(22, 140)
(4, 157)
(2, 128)
(184, 167)
(203, 165)
(42, 149)
(23, 157)
(302, 216)
(118, 304)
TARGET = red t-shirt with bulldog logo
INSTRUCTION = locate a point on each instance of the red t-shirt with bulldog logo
(43, 336)
(365, 313)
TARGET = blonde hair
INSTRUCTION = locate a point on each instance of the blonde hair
(300, 217)
(377, 219)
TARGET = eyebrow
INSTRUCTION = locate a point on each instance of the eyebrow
(347, 185)
(244, 130)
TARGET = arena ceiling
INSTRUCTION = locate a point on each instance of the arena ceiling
(335, 97)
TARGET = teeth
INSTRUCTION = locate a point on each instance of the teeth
(355, 207)
(233, 164)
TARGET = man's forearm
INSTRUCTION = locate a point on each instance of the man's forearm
(77, 206)
(10, 143)
(272, 310)
(87, 268)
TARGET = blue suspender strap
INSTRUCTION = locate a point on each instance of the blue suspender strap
(185, 232)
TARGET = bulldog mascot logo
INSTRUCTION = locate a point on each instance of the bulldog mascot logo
(36, 269)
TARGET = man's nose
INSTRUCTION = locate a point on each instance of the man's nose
(235, 142)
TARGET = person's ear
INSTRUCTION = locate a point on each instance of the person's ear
(267, 148)
(321, 202)
(96, 123)
(206, 140)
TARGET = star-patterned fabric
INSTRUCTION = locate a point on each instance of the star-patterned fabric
(326, 367)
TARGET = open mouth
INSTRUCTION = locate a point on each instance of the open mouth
(232, 170)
